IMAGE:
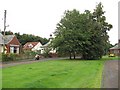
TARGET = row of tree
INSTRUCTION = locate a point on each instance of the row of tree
(24, 38)
(83, 33)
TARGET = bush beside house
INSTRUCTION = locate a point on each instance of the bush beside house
(15, 57)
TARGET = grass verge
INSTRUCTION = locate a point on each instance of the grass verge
(55, 74)
(110, 58)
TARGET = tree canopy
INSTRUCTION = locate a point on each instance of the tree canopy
(83, 33)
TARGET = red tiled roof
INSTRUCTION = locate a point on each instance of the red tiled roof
(30, 45)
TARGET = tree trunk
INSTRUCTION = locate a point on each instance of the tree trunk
(70, 56)
(74, 55)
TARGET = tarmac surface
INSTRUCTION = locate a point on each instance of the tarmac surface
(110, 74)
(14, 63)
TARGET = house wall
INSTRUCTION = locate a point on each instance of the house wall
(1, 48)
(53, 51)
(115, 51)
(15, 44)
(37, 47)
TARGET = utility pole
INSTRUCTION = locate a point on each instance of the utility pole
(5, 12)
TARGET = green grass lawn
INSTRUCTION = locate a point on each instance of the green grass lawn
(0, 79)
(54, 74)
(110, 58)
(0, 72)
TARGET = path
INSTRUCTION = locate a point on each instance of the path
(7, 64)
(110, 74)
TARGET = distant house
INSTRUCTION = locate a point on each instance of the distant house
(38, 47)
(116, 49)
(47, 46)
(1, 43)
(12, 45)
(33, 46)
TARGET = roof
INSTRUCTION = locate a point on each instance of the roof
(8, 38)
(116, 47)
(48, 43)
(1, 39)
(30, 45)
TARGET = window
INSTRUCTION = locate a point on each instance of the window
(15, 49)
(11, 49)
(30, 45)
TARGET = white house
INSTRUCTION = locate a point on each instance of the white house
(46, 46)
(38, 47)
(33, 46)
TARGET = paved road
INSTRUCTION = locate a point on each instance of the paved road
(110, 74)
(7, 64)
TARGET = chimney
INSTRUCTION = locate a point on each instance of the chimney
(50, 37)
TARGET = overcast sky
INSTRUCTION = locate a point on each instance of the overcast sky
(39, 17)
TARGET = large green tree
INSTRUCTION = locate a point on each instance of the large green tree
(99, 38)
(66, 39)
(83, 33)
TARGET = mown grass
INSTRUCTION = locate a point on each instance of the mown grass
(0, 79)
(55, 74)
(0, 72)
(110, 58)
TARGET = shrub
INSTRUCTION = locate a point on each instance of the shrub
(4, 57)
(15, 57)
(29, 54)
(46, 55)
(8, 57)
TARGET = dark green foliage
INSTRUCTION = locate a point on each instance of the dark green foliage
(83, 33)
(7, 32)
(15, 57)
(24, 38)
(8, 57)
(30, 38)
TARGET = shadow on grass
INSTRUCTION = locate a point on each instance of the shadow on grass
(103, 58)
(78, 59)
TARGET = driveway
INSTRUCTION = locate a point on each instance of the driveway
(110, 74)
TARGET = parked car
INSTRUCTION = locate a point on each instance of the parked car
(111, 55)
